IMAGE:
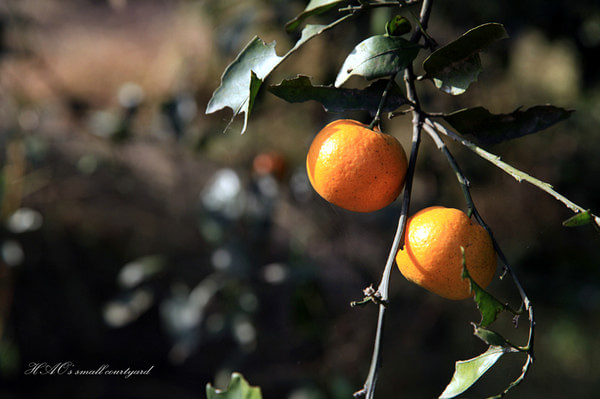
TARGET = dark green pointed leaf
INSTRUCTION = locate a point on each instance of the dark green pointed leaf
(397, 26)
(243, 78)
(314, 7)
(488, 305)
(334, 99)
(580, 219)
(376, 57)
(238, 389)
(455, 66)
(467, 372)
(487, 128)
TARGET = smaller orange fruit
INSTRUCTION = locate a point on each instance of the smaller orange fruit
(356, 168)
(269, 163)
(432, 258)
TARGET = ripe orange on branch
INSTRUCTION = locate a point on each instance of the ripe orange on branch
(432, 257)
(356, 168)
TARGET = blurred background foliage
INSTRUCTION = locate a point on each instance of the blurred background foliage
(135, 233)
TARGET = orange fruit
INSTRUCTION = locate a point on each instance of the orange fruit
(269, 163)
(356, 168)
(432, 258)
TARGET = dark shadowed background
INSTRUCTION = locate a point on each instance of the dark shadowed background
(136, 235)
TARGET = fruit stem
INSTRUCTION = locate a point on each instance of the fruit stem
(377, 118)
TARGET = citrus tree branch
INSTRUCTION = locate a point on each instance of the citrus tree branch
(517, 174)
(378, 4)
(526, 303)
(382, 293)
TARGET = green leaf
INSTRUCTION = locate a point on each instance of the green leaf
(243, 78)
(580, 219)
(238, 389)
(455, 66)
(490, 337)
(376, 57)
(467, 372)
(488, 305)
(314, 7)
(397, 26)
(487, 128)
(334, 99)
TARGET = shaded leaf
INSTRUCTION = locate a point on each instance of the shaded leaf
(488, 128)
(243, 78)
(397, 26)
(334, 99)
(580, 219)
(376, 57)
(314, 7)
(238, 389)
(467, 372)
(490, 337)
(455, 66)
(488, 305)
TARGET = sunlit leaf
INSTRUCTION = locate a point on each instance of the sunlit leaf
(455, 66)
(376, 57)
(243, 78)
(238, 389)
(335, 99)
(488, 128)
(467, 372)
(314, 7)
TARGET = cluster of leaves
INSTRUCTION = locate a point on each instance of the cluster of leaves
(467, 372)
(452, 68)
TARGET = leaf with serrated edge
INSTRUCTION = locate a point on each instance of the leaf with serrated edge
(314, 7)
(467, 372)
(487, 128)
(455, 66)
(235, 91)
(242, 79)
(238, 389)
(334, 99)
(376, 57)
